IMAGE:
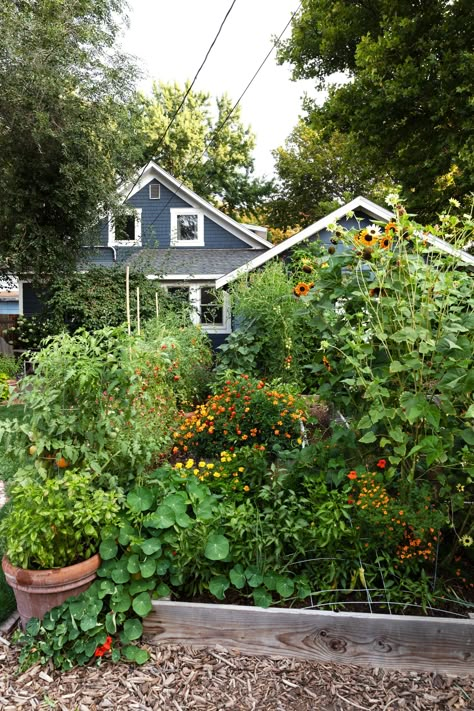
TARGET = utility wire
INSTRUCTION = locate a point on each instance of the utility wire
(173, 118)
(224, 122)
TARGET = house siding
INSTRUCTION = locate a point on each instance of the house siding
(8, 306)
(156, 225)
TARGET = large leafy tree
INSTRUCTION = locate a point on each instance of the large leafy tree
(66, 111)
(408, 103)
(205, 144)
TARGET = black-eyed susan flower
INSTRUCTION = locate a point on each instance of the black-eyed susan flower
(301, 289)
(385, 242)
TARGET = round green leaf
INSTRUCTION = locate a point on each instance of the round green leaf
(88, 622)
(262, 598)
(120, 573)
(150, 546)
(148, 567)
(285, 587)
(140, 499)
(121, 601)
(133, 564)
(133, 629)
(33, 626)
(163, 517)
(108, 549)
(218, 585)
(217, 547)
(135, 654)
(161, 591)
(142, 604)
(237, 576)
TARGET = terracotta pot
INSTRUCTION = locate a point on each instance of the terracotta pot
(37, 591)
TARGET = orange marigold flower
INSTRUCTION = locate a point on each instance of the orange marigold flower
(352, 475)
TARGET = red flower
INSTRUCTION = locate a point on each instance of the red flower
(352, 475)
(350, 501)
(381, 464)
(102, 649)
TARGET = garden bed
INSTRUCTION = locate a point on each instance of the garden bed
(387, 641)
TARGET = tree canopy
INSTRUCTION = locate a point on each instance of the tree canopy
(207, 146)
(66, 128)
(408, 103)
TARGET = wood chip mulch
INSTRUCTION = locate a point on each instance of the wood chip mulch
(183, 678)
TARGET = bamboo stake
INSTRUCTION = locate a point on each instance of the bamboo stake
(156, 304)
(138, 310)
(127, 298)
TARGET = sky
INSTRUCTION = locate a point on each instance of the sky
(170, 40)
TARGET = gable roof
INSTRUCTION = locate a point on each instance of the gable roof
(372, 210)
(152, 171)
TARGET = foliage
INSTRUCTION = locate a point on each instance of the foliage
(57, 521)
(9, 365)
(4, 388)
(7, 598)
(206, 146)
(67, 128)
(30, 331)
(96, 401)
(318, 171)
(403, 61)
(246, 412)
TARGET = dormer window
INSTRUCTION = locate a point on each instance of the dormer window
(126, 230)
(187, 227)
(154, 191)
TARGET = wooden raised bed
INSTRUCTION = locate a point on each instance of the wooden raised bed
(405, 643)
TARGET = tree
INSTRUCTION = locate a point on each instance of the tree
(206, 146)
(318, 171)
(408, 104)
(66, 112)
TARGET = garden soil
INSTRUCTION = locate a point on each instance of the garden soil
(185, 679)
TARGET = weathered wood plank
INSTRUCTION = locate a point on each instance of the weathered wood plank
(390, 641)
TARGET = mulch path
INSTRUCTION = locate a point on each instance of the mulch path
(183, 678)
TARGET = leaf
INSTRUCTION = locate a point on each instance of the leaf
(120, 573)
(262, 598)
(176, 502)
(217, 547)
(150, 546)
(33, 626)
(368, 438)
(142, 604)
(133, 629)
(110, 623)
(121, 601)
(285, 587)
(108, 549)
(133, 564)
(396, 367)
(218, 585)
(135, 654)
(148, 567)
(88, 622)
(163, 517)
(468, 436)
(162, 591)
(237, 576)
(470, 412)
(127, 532)
(140, 499)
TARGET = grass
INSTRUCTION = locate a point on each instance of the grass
(7, 598)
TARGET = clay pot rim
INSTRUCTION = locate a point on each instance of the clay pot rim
(51, 576)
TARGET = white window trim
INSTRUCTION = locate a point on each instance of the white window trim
(137, 242)
(195, 301)
(174, 241)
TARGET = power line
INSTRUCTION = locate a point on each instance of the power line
(224, 122)
(162, 138)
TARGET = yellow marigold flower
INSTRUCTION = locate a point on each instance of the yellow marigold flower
(201, 465)
(246, 488)
(189, 464)
(299, 440)
(241, 469)
(178, 465)
(216, 475)
(210, 465)
(196, 471)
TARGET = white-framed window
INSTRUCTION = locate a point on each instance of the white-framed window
(154, 191)
(126, 230)
(209, 309)
(187, 227)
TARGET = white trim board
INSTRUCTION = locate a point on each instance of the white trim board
(153, 171)
(374, 211)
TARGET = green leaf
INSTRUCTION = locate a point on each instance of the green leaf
(140, 499)
(110, 623)
(142, 604)
(368, 438)
(470, 411)
(148, 567)
(217, 547)
(135, 654)
(108, 549)
(121, 601)
(237, 576)
(33, 626)
(218, 585)
(127, 532)
(364, 423)
(261, 597)
(120, 573)
(88, 622)
(133, 629)
(150, 546)
(285, 587)
(133, 564)
(163, 517)
(176, 502)
(396, 366)
(468, 436)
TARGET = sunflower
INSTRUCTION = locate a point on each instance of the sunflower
(307, 265)
(466, 541)
(385, 242)
(391, 227)
(301, 289)
(359, 237)
(368, 239)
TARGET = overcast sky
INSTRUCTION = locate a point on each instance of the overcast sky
(171, 38)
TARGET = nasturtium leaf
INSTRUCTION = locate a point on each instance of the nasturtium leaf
(262, 598)
(285, 587)
(120, 573)
(138, 586)
(127, 532)
(148, 567)
(468, 436)
(183, 520)
(204, 509)
(163, 517)
(107, 587)
(177, 502)
(133, 629)
(140, 499)
(142, 604)
(162, 566)
(135, 654)
(110, 531)
(161, 591)
(254, 578)
(116, 654)
(217, 547)
(218, 585)
(133, 564)
(270, 581)
(33, 626)
(121, 601)
(90, 646)
(150, 546)
(237, 576)
(88, 622)
(108, 549)
(79, 607)
(110, 623)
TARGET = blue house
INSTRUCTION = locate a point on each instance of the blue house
(177, 239)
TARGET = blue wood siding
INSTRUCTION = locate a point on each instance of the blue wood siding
(8, 306)
(156, 225)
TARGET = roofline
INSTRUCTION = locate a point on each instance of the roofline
(153, 170)
(373, 210)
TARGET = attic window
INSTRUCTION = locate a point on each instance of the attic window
(187, 227)
(126, 229)
(154, 191)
